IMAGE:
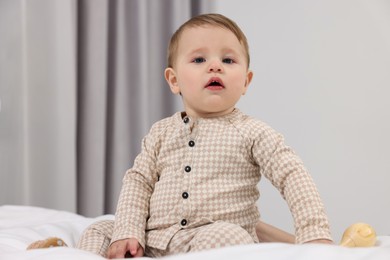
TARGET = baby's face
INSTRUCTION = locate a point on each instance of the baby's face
(210, 71)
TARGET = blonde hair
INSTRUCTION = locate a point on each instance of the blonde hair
(202, 20)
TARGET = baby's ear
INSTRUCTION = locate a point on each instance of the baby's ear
(249, 77)
(248, 80)
(170, 77)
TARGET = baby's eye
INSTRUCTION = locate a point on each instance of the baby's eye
(199, 60)
(228, 60)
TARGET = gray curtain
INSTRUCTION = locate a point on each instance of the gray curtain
(81, 82)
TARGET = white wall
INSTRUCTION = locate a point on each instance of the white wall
(322, 78)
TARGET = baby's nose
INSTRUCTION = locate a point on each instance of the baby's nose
(215, 67)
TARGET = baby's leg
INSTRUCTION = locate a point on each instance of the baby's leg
(96, 238)
(220, 234)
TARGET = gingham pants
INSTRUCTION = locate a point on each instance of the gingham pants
(96, 238)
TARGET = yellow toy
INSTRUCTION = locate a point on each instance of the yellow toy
(359, 235)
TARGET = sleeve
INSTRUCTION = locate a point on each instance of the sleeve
(133, 204)
(279, 164)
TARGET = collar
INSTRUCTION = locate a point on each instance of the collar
(231, 117)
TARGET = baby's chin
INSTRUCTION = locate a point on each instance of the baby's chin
(214, 112)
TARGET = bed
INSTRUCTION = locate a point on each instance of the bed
(21, 225)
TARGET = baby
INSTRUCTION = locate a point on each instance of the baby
(194, 184)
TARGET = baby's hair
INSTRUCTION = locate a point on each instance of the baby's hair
(204, 20)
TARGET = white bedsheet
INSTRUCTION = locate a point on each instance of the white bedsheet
(21, 225)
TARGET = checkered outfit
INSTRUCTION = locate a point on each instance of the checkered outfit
(195, 173)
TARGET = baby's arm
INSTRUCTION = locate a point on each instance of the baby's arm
(122, 249)
(279, 164)
(133, 204)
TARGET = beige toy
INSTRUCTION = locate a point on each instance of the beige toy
(49, 242)
(359, 235)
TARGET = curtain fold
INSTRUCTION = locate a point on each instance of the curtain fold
(81, 83)
(92, 80)
(37, 126)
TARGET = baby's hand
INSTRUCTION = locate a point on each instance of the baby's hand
(121, 249)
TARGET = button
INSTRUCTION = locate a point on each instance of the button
(183, 222)
(187, 168)
(191, 143)
(186, 120)
(185, 195)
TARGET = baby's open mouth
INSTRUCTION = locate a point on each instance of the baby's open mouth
(214, 84)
